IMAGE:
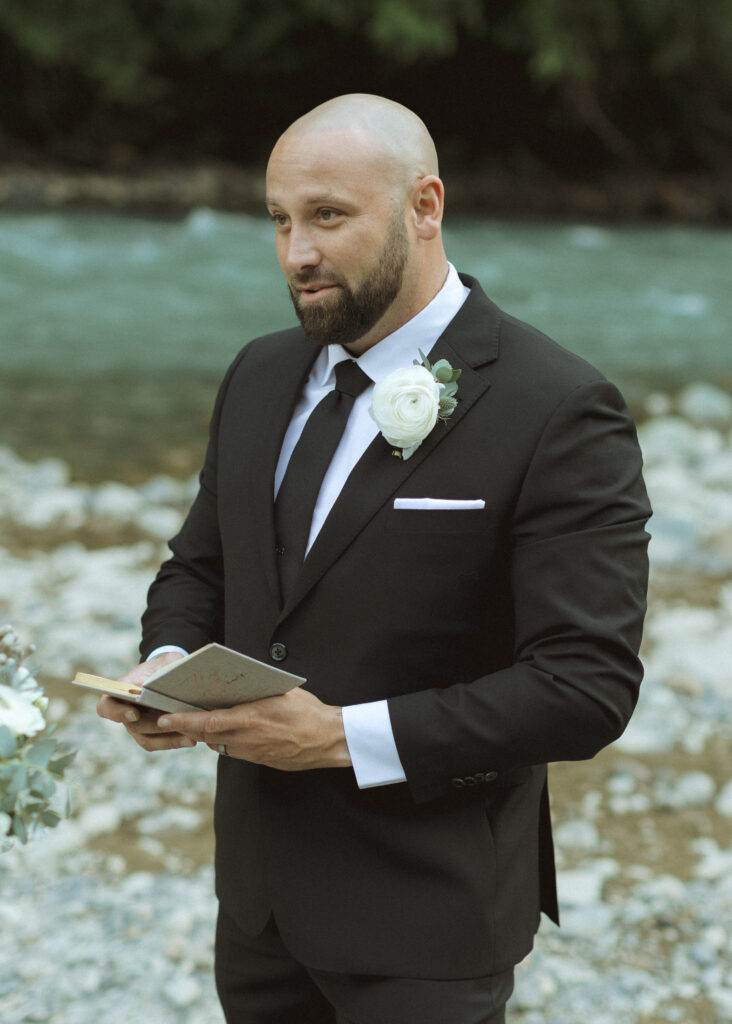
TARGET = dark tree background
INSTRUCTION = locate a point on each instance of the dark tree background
(578, 86)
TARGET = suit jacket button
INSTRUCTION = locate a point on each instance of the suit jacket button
(458, 783)
(278, 652)
(490, 776)
(470, 780)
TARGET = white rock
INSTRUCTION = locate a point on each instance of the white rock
(716, 936)
(46, 508)
(533, 991)
(723, 804)
(658, 722)
(657, 404)
(714, 863)
(716, 470)
(662, 891)
(591, 804)
(674, 538)
(161, 523)
(577, 835)
(98, 819)
(164, 490)
(582, 886)
(633, 803)
(668, 438)
(722, 996)
(587, 921)
(705, 405)
(182, 990)
(687, 990)
(621, 783)
(693, 789)
(696, 642)
(152, 847)
(115, 502)
(172, 817)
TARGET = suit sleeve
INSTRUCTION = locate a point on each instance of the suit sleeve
(578, 578)
(185, 606)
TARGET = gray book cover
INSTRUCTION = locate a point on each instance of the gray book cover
(212, 677)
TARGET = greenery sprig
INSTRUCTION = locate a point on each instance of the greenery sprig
(448, 378)
(32, 762)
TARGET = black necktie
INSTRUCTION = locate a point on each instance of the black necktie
(308, 463)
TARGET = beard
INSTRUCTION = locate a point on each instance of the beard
(352, 312)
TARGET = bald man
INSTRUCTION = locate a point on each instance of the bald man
(453, 555)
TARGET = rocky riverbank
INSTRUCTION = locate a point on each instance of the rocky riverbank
(494, 190)
(111, 916)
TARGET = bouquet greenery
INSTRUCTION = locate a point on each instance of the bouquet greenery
(31, 761)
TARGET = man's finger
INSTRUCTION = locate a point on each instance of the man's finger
(163, 741)
(116, 710)
(196, 723)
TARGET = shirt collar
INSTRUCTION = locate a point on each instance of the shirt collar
(401, 348)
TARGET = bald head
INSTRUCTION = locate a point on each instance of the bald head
(392, 134)
(353, 190)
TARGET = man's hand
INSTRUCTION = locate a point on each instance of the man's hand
(141, 723)
(293, 732)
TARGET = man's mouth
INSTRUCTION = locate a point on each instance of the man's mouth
(315, 291)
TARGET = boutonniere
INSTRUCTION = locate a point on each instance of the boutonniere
(407, 404)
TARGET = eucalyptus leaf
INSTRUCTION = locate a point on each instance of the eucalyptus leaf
(45, 785)
(442, 371)
(425, 361)
(18, 779)
(8, 742)
(29, 804)
(40, 753)
(19, 829)
(59, 764)
(50, 819)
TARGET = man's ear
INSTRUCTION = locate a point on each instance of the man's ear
(428, 202)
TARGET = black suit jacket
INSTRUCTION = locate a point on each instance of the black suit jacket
(503, 638)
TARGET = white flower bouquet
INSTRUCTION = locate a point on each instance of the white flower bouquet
(31, 762)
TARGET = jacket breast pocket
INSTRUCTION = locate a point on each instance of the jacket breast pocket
(440, 520)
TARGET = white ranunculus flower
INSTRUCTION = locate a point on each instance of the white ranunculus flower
(405, 406)
(19, 714)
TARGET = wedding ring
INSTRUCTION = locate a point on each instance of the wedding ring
(221, 747)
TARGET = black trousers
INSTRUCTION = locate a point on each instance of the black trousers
(259, 982)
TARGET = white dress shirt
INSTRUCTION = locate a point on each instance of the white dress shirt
(367, 726)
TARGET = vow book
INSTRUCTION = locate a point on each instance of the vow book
(211, 677)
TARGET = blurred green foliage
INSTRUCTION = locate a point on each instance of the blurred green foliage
(594, 81)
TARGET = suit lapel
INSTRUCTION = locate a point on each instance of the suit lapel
(270, 407)
(470, 340)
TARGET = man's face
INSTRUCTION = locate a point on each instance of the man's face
(341, 240)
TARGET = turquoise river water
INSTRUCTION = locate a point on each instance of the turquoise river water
(115, 331)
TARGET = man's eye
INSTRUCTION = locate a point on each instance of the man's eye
(279, 219)
(328, 215)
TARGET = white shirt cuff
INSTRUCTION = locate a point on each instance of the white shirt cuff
(166, 649)
(370, 741)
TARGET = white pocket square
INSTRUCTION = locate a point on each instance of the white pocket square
(438, 503)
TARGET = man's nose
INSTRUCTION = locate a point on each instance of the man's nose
(301, 250)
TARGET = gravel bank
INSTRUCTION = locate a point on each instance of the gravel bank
(111, 916)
